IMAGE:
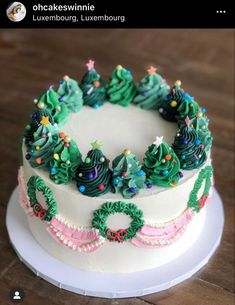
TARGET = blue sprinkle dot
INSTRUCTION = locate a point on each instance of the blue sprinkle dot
(90, 176)
(116, 180)
(96, 106)
(197, 142)
(27, 156)
(188, 97)
(61, 81)
(165, 172)
(128, 72)
(61, 99)
(53, 170)
(185, 141)
(203, 110)
(81, 188)
(165, 99)
(149, 185)
(34, 115)
(181, 174)
(140, 173)
(132, 189)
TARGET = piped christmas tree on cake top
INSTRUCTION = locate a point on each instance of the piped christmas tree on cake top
(45, 138)
(188, 147)
(128, 177)
(121, 88)
(93, 175)
(31, 128)
(52, 102)
(200, 123)
(66, 157)
(170, 103)
(188, 108)
(70, 94)
(161, 165)
(93, 87)
(151, 90)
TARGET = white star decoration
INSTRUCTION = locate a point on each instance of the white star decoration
(158, 141)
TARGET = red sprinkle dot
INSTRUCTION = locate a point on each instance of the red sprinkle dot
(61, 134)
(96, 83)
(38, 160)
(66, 144)
(124, 174)
(43, 135)
(168, 157)
(101, 187)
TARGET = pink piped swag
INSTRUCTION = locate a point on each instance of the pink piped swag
(87, 240)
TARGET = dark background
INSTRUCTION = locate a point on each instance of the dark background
(31, 60)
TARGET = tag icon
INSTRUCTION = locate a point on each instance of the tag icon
(16, 295)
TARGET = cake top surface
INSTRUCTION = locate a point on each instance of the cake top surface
(118, 128)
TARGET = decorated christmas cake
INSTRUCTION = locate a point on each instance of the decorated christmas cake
(116, 176)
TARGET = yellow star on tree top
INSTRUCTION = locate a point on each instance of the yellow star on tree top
(45, 120)
(152, 70)
(96, 145)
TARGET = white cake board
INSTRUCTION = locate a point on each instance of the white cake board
(114, 285)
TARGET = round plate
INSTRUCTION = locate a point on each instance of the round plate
(107, 284)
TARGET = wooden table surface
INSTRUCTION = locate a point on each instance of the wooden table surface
(203, 60)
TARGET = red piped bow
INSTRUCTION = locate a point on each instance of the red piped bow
(116, 235)
(39, 211)
(201, 202)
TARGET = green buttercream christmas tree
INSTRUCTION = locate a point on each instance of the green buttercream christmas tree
(128, 177)
(70, 94)
(121, 88)
(200, 124)
(92, 85)
(161, 165)
(45, 138)
(93, 175)
(151, 90)
(171, 102)
(188, 147)
(52, 102)
(188, 108)
(66, 157)
(31, 128)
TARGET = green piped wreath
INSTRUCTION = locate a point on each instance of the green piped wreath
(205, 174)
(100, 217)
(36, 183)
